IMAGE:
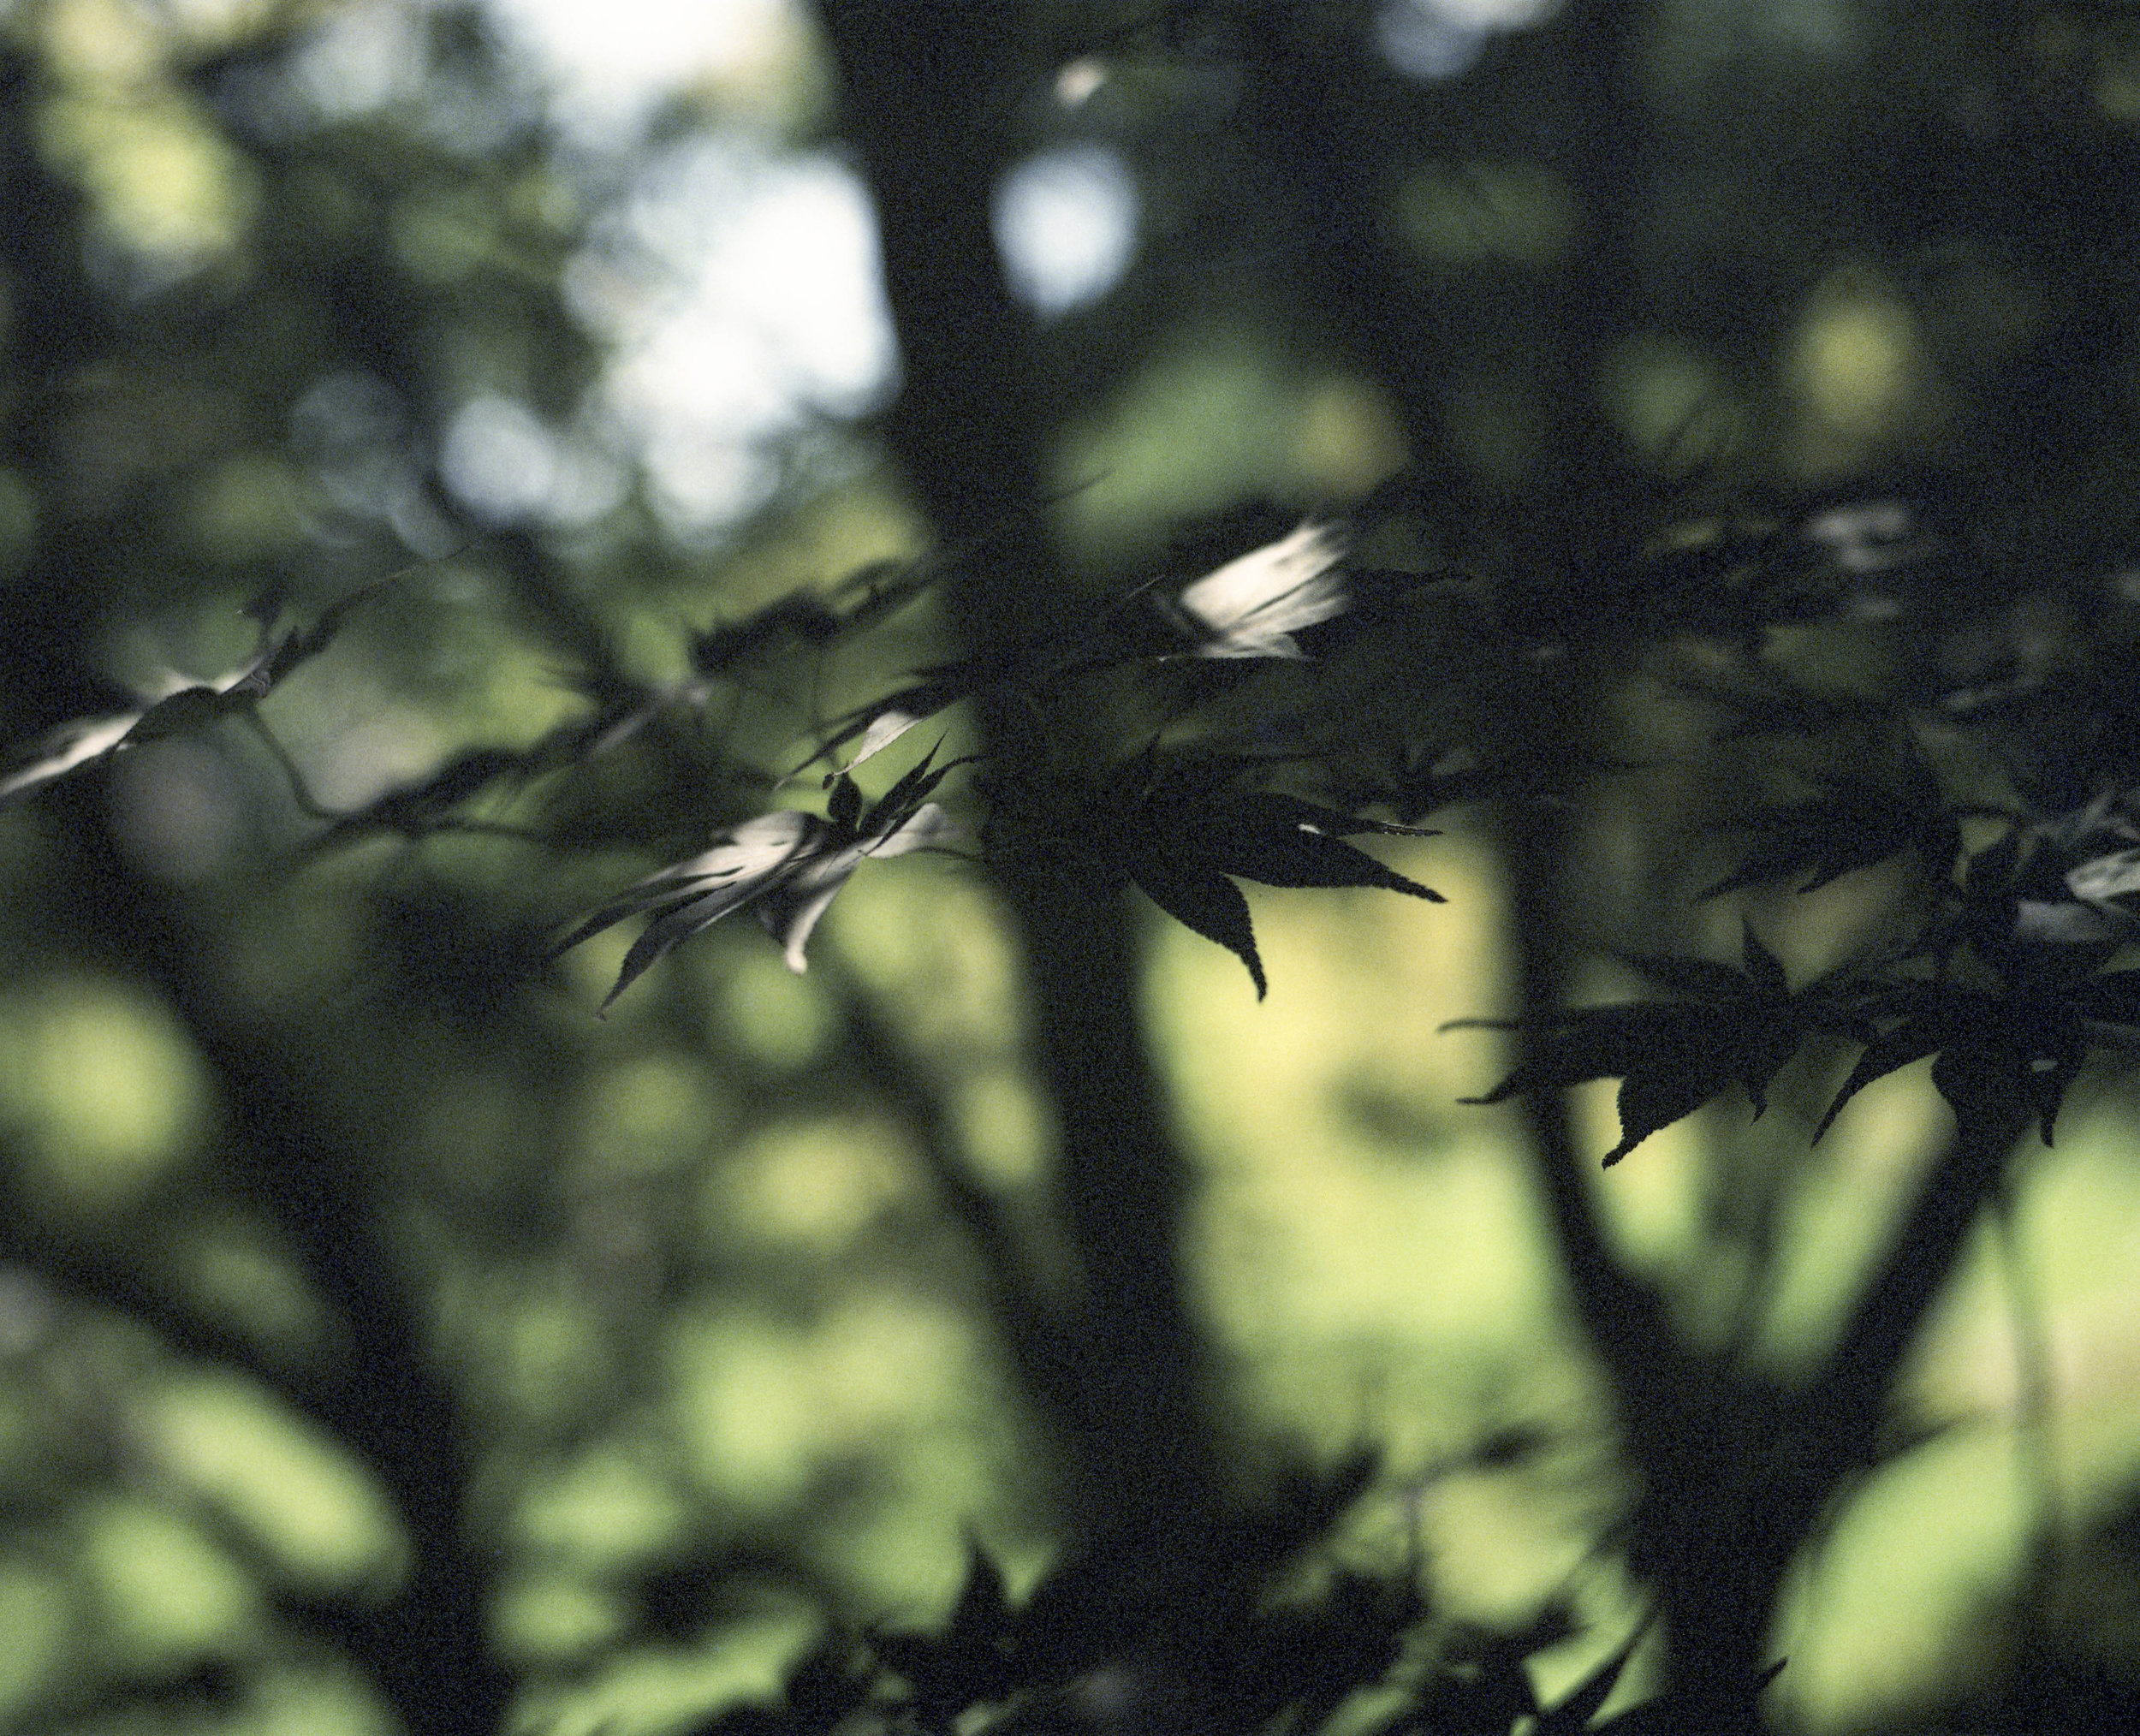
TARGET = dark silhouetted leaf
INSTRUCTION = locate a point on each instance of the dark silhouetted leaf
(1884, 1054)
(1209, 904)
(185, 709)
(1988, 1080)
(1483, 1686)
(1415, 783)
(748, 1719)
(302, 644)
(1670, 1056)
(1574, 1713)
(191, 710)
(1764, 970)
(1664, 1091)
(1184, 828)
(2113, 997)
(983, 1610)
(973, 1660)
(1780, 711)
(1692, 977)
(844, 805)
(1594, 1043)
(1856, 823)
(427, 806)
(827, 1684)
(1998, 1054)
(719, 649)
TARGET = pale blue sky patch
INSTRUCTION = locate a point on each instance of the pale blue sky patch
(1434, 39)
(608, 64)
(743, 295)
(1066, 224)
(508, 465)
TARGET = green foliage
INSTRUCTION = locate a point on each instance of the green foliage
(1692, 465)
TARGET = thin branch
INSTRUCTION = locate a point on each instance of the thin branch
(300, 791)
(1034, 1332)
(1923, 1248)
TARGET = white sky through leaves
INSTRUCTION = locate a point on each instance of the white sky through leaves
(741, 286)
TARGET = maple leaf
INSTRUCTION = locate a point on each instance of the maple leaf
(1855, 822)
(1251, 606)
(787, 865)
(1186, 831)
(179, 707)
(1736, 1027)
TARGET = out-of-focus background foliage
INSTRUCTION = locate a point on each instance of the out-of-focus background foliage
(380, 1330)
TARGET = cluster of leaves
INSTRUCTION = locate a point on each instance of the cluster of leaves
(786, 865)
(1182, 827)
(2005, 984)
(2002, 984)
(1175, 823)
(2008, 983)
(1215, 1645)
(1725, 1027)
(180, 707)
(1191, 813)
(1182, 820)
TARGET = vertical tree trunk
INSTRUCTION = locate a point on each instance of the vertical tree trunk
(919, 92)
(426, 1647)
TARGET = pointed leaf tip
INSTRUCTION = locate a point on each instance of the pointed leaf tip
(1206, 902)
(1763, 968)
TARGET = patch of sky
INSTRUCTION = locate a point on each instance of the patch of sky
(739, 283)
(1434, 39)
(361, 59)
(742, 291)
(1065, 224)
(609, 67)
(507, 464)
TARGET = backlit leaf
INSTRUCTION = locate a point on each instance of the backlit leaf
(1252, 606)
